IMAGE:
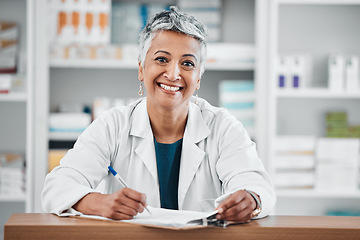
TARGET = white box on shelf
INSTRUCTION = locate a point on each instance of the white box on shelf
(283, 72)
(336, 177)
(336, 68)
(231, 53)
(294, 179)
(5, 83)
(69, 122)
(294, 71)
(295, 144)
(238, 97)
(300, 70)
(352, 74)
(294, 161)
(338, 149)
(199, 4)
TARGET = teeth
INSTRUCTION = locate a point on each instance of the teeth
(166, 87)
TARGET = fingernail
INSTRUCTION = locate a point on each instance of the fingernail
(220, 210)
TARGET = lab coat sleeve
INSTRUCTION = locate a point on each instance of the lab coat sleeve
(239, 166)
(83, 167)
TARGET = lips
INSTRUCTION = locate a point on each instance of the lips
(169, 88)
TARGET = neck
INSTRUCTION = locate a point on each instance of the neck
(168, 126)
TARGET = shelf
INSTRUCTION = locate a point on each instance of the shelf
(64, 136)
(13, 97)
(311, 193)
(121, 64)
(319, 2)
(15, 198)
(88, 63)
(245, 66)
(316, 93)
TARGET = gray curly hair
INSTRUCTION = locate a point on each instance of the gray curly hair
(173, 20)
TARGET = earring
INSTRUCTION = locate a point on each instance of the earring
(196, 97)
(141, 92)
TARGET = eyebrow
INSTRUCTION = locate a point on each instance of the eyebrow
(185, 55)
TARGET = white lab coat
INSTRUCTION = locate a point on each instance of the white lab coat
(217, 159)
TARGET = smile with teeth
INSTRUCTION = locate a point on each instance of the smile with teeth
(169, 88)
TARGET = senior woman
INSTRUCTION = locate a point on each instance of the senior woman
(174, 151)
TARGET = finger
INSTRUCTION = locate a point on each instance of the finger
(239, 212)
(118, 216)
(131, 203)
(124, 209)
(230, 201)
(135, 195)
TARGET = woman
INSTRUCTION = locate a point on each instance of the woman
(173, 150)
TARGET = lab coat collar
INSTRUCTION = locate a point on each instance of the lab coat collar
(140, 125)
(195, 126)
(192, 155)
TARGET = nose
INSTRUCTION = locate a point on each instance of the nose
(172, 72)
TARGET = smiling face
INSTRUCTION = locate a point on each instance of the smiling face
(171, 71)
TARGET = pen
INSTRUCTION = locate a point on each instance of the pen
(117, 176)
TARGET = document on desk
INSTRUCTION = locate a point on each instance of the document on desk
(161, 217)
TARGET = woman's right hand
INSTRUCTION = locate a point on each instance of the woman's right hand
(122, 205)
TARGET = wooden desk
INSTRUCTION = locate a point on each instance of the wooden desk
(47, 226)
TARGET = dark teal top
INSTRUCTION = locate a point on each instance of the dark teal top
(168, 165)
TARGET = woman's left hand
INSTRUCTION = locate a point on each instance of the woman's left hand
(237, 207)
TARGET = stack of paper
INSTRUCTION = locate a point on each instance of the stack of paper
(338, 164)
(12, 174)
(238, 96)
(69, 122)
(295, 162)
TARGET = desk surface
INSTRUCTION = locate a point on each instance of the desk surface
(47, 226)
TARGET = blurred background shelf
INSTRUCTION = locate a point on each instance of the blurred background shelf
(63, 136)
(14, 97)
(319, 2)
(316, 93)
(310, 193)
(9, 198)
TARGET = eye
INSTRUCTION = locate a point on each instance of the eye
(188, 63)
(161, 59)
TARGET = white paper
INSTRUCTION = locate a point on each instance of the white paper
(162, 217)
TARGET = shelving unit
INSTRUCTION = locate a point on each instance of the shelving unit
(17, 108)
(318, 28)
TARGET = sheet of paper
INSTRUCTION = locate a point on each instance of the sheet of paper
(162, 217)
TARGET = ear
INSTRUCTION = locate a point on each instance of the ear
(141, 72)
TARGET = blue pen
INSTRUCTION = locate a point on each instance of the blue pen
(117, 176)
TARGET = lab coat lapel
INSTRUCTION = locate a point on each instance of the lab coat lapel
(145, 144)
(191, 156)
